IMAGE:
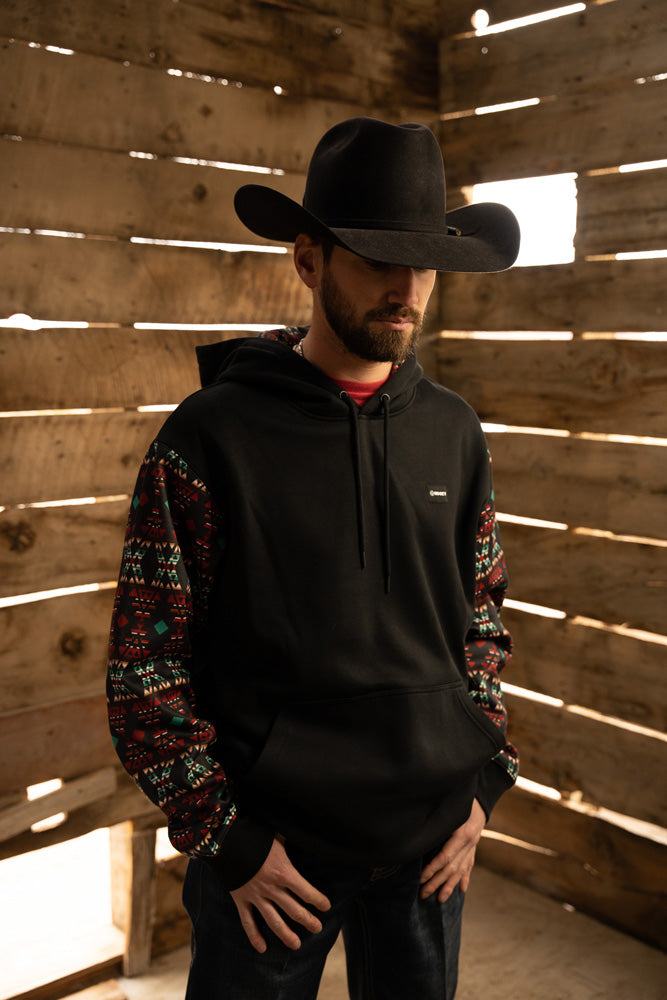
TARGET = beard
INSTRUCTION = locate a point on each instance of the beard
(355, 332)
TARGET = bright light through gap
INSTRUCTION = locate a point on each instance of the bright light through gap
(546, 208)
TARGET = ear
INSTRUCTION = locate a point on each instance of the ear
(308, 260)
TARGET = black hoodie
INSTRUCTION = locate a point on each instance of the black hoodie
(333, 664)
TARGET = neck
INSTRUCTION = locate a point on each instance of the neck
(322, 348)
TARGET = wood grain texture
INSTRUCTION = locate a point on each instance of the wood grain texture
(601, 46)
(73, 795)
(608, 485)
(126, 803)
(133, 892)
(620, 583)
(610, 766)
(570, 133)
(112, 194)
(172, 924)
(100, 368)
(306, 53)
(106, 281)
(601, 869)
(48, 548)
(62, 741)
(61, 457)
(413, 16)
(67, 100)
(64, 659)
(616, 675)
(619, 213)
(606, 386)
(585, 296)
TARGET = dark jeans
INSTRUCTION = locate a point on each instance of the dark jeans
(397, 946)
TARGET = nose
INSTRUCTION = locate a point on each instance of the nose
(405, 287)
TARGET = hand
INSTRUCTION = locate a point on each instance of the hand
(275, 891)
(452, 865)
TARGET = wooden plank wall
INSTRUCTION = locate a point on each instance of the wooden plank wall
(582, 468)
(114, 121)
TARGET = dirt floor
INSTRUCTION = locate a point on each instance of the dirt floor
(517, 945)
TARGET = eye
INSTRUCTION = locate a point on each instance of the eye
(376, 265)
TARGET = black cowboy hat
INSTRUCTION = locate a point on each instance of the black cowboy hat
(379, 190)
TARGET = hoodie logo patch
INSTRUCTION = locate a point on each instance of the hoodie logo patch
(437, 494)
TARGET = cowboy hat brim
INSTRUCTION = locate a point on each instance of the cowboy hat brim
(479, 238)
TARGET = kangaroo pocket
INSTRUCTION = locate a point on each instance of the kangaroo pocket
(363, 776)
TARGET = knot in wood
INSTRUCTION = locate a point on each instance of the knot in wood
(172, 132)
(72, 643)
(604, 375)
(19, 536)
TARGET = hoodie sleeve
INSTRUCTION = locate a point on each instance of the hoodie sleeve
(488, 648)
(173, 544)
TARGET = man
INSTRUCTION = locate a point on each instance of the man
(306, 642)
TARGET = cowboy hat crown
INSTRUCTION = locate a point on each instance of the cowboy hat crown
(378, 190)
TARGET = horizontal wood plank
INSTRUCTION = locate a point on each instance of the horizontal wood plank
(304, 52)
(52, 547)
(571, 133)
(609, 766)
(607, 485)
(621, 212)
(604, 45)
(127, 803)
(411, 15)
(107, 367)
(72, 795)
(616, 675)
(57, 741)
(606, 386)
(61, 660)
(69, 189)
(106, 281)
(604, 296)
(74, 456)
(604, 871)
(62, 99)
(620, 583)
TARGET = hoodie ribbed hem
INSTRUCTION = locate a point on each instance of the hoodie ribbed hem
(244, 851)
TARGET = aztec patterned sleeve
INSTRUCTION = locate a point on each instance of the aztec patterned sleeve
(173, 543)
(488, 648)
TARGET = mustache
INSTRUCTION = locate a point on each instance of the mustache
(395, 313)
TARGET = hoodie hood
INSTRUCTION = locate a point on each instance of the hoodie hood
(270, 363)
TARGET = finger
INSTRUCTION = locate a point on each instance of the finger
(447, 877)
(300, 914)
(448, 888)
(460, 878)
(301, 888)
(251, 930)
(439, 878)
(440, 861)
(275, 923)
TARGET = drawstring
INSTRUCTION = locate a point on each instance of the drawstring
(361, 535)
(385, 399)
